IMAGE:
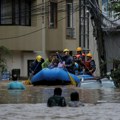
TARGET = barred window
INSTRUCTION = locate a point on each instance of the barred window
(15, 12)
(53, 15)
(69, 6)
(70, 19)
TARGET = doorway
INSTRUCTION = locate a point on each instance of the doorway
(29, 62)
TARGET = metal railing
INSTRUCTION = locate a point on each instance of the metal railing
(70, 32)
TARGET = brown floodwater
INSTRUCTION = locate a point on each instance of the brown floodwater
(40, 94)
(102, 102)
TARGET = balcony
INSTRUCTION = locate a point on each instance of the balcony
(70, 32)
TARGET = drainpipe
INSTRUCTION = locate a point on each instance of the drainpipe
(99, 39)
(79, 22)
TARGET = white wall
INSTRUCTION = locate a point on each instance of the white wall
(112, 48)
(14, 61)
(18, 60)
(94, 49)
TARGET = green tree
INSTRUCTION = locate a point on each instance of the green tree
(115, 6)
(3, 53)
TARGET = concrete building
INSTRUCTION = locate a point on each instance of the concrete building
(111, 34)
(32, 27)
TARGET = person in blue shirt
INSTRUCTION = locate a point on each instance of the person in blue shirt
(15, 84)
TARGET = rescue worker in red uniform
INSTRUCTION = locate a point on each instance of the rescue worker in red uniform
(79, 54)
(79, 58)
(90, 66)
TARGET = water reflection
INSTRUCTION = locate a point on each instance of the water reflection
(40, 94)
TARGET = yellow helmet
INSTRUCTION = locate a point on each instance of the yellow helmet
(89, 55)
(66, 50)
(79, 49)
(38, 58)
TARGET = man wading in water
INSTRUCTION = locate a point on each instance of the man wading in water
(56, 99)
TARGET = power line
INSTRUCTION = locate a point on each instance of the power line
(37, 13)
(98, 10)
(45, 27)
(36, 30)
(40, 8)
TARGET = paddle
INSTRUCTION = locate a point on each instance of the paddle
(30, 76)
(71, 79)
(95, 78)
(86, 67)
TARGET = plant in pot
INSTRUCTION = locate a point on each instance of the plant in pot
(3, 53)
(115, 74)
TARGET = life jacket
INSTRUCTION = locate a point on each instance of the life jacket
(88, 65)
(83, 58)
(83, 54)
(78, 56)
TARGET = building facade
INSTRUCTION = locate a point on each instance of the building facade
(111, 34)
(32, 27)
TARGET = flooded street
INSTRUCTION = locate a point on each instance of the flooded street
(100, 103)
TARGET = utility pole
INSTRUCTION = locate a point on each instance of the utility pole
(83, 24)
(79, 22)
(99, 35)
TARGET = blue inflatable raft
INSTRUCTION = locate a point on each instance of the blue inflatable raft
(54, 76)
(86, 77)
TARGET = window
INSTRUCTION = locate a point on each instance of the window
(6, 12)
(69, 7)
(84, 25)
(15, 12)
(53, 15)
(70, 20)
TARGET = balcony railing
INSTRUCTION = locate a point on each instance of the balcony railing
(70, 32)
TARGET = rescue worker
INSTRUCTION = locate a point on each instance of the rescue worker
(56, 99)
(67, 60)
(54, 62)
(47, 62)
(80, 54)
(90, 65)
(79, 58)
(36, 66)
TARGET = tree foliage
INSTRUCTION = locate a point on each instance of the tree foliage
(115, 6)
(3, 53)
